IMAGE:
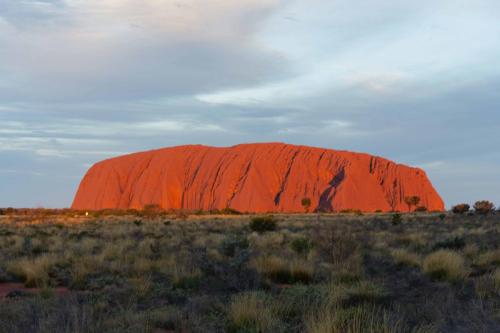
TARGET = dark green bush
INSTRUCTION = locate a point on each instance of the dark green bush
(301, 246)
(396, 219)
(262, 224)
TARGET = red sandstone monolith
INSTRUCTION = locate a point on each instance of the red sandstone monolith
(264, 177)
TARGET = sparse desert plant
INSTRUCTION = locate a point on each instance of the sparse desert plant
(301, 246)
(262, 224)
(460, 208)
(336, 244)
(484, 207)
(403, 257)
(445, 265)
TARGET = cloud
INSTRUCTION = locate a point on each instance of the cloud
(84, 80)
(126, 50)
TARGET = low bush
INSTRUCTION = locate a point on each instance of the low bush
(484, 207)
(396, 219)
(460, 208)
(301, 246)
(262, 224)
(455, 243)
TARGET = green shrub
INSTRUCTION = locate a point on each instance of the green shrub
(301, 246)
(396, 219)
(262, 224)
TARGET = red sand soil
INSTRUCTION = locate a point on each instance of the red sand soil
(6, 288)
(267, 177)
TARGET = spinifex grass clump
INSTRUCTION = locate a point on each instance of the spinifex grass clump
(445, 265)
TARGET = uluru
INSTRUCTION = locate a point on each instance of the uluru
(263, 177)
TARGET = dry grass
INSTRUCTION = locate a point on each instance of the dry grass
(364, 318)
(34, 272)
(488, 285)
(253, 311)
(403, 257)
(284, 271)
(445, 265)
(488, 258)
(123, 274)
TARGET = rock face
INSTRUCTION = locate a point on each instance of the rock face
(266, 177)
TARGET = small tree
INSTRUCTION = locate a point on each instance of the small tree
(412, 201)
(484, 207)
(460, 208)
(306, 203)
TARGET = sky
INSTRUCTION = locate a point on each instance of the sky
(417, 82)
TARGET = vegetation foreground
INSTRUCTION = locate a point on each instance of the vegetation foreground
(288, 273)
